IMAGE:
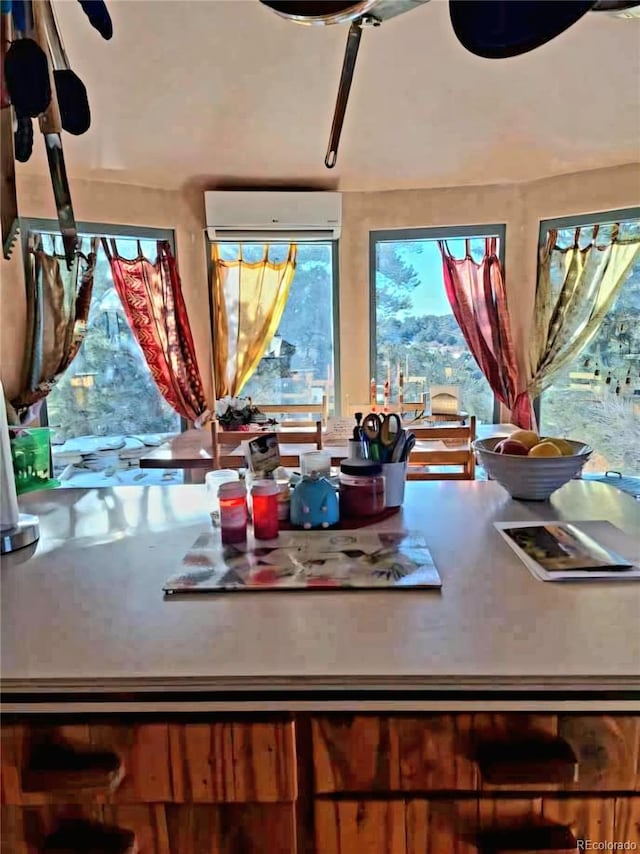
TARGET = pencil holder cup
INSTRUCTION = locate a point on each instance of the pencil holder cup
(395, 475)
(356, 450)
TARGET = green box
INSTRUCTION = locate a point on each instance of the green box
(31, 456)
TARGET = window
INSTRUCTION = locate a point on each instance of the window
(108, 389)
(412, 326)
(299, 365)
(596, 398)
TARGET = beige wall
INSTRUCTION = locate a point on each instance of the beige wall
(519, 206)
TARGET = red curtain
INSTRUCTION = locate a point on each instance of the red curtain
(153, 303)
(478, 300)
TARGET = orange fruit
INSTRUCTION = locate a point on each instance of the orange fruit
(563, 446)
(545, 449)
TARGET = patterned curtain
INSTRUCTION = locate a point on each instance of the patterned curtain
(248, 300)
(576, 288)
(57, 313)
(478, 299)
(151, 295)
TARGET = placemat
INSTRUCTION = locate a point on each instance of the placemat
(307, 560)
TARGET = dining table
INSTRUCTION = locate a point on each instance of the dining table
(192, 450)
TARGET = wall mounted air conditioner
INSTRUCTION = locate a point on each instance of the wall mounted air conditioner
(262, 215)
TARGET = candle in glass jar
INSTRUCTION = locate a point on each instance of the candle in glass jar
(264, 496)
(233, 512)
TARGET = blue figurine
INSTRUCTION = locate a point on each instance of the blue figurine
(314, 503)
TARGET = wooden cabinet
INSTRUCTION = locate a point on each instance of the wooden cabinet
(331, 783)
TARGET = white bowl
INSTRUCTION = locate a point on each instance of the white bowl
(530, 478)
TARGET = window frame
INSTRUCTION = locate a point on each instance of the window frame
(92, 229)
(335, 298)
(577, 221)
(445, 232)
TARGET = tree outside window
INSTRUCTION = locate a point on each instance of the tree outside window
(413, 328)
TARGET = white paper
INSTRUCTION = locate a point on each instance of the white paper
(339, 431)
(8, 498)
(607, 536)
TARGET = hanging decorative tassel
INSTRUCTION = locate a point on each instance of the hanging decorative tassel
(628, 379)
(587, 362)
(608, 379)
(596, 373)
(617, 389)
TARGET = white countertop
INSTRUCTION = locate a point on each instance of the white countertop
(86, 612)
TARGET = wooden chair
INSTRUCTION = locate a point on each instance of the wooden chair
(311, 410)
(228, 451)
(457, 453)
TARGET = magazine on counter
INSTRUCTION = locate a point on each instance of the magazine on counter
(564, 551)
(307, 560)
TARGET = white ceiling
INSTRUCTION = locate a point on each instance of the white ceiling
(225, 93)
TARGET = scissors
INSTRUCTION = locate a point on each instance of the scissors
(409, 445)
(382, 433)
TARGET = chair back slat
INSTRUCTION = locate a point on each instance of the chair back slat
(461, 455)
(311, 409)
(224, 440)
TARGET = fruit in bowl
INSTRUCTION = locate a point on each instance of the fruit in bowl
(512, 446)
(530, 466)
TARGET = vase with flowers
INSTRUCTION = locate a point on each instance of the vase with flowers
(238, 413)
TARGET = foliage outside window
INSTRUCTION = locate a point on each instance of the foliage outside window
(108, 389)
(299, 364)
(596, 399)
(413, 327)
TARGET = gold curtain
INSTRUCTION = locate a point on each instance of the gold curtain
(248, 300)
(58, 303)
(568, 314)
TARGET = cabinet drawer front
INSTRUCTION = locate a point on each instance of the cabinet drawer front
(606, 749)
(153, 828)
(158, 763)
(141, 748)
(373, 753)
(460, 752)
(475, 826)
(233, 762)
(232, 829)
(365, 827)
(141, 828)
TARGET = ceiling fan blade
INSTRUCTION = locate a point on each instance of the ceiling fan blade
(496, 29)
